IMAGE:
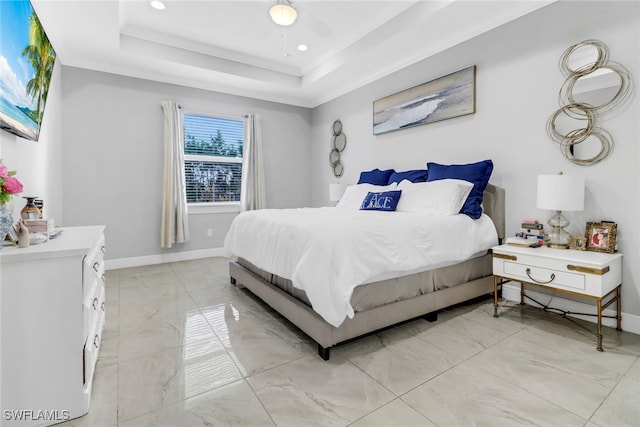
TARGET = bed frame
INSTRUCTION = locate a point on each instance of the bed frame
(364, 322)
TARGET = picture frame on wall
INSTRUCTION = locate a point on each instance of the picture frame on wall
(443, 98)
(601, 236)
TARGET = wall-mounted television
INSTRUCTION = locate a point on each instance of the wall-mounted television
(26, 65)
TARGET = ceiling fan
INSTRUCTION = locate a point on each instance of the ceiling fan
(284, 14)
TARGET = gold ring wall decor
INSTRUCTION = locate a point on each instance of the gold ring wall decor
(594, 85)
(338, 144)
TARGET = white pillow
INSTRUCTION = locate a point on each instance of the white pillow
(441, 197)
(354, 194)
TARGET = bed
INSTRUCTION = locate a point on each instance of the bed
(375, 304)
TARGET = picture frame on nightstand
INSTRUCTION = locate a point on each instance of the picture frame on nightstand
(601, 237)
(577, 243)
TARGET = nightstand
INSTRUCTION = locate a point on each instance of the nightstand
(594, 275)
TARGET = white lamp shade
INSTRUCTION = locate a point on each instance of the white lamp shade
(283, 14)
(336, 191)
(560, 192)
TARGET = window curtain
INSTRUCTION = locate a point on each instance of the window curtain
(175, 221)
(252, 195)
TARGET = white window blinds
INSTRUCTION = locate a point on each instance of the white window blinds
(213, 158)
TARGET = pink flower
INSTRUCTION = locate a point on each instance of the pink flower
(11, 185)
(4, 173)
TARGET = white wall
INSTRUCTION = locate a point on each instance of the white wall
(39, 163)
(113, 158)
(517, 83)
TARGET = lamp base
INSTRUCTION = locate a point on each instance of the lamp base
(558, 237)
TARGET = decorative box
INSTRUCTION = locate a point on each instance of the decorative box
(44, 226)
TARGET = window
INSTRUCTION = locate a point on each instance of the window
(213, 159)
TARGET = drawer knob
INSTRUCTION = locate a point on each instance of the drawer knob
(95, 303)
(95, 266)
(552, 277)
(102, 305)
(102, 249)
(104, 280)
(96, 340)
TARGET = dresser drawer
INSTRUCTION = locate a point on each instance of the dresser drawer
(94, 310)
(90, 357)
(93, 270)
(544, 276)
(94, 323)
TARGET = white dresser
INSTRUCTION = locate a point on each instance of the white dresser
(52, 315)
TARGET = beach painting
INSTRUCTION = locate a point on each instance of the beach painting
(449, 96)
(26, 65)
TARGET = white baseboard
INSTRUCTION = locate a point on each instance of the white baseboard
(113, 264)
(630, 322)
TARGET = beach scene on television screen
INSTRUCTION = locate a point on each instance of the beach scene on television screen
(26, 64)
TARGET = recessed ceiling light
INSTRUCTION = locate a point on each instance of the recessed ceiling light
(157, 4)
(303, 47)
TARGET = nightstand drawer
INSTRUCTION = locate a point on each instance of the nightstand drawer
(589, 273)
(544, 276)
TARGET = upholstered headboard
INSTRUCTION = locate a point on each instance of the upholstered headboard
(493, 205)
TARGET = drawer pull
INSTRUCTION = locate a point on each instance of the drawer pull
(504, 256)
(96, 340)
(102, 249)
(95, 266)
(102, 305)
(553, 276)
(588, 270)
(104, 280)
(94, 304)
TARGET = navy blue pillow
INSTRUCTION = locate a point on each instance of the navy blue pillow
(476, 173)
(384, 201)
(375, 177)
(416, 175)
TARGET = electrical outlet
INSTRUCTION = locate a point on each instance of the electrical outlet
(209, 232)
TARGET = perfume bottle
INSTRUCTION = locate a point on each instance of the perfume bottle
(30, 210)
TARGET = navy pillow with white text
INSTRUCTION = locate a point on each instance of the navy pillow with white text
(384, 201)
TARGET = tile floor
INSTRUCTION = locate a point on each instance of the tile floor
(184, 347)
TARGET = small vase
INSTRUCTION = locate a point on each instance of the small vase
(6, 221)
(30, 210)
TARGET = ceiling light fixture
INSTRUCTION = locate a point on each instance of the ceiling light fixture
(283, 13)
(303, 47)
(157, 4)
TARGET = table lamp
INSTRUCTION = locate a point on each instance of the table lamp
(335, 192)
(560, 193)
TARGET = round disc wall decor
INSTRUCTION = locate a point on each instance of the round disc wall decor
(338, 144)
(593, 86)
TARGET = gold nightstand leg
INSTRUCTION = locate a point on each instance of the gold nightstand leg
(599, 335)
(619, 310)
(495, 296)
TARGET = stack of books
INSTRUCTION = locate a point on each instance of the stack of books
(532, 228)
(531, 234)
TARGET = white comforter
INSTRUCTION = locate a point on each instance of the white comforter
(327, 252)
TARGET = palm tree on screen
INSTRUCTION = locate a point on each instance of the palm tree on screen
(41, 55)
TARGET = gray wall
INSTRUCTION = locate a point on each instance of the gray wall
(517, 83)
(39, 163)
(113, 158)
